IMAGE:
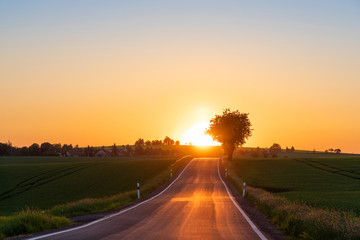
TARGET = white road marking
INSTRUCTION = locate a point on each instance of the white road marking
(256, 230)
(115, 214)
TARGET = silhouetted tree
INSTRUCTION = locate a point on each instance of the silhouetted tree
(56, 148)
(87, 151)
(24, 151)
(140, 141)
(292, 149)
(34, 149)
(46, 148)
(148, 143)
(65, 148)
(92, 151)
(114, 151)
(168, 141)
(231, 129)
(177, 143)
(6, 149)
(275, 149)
(156, 142)
(338, 150)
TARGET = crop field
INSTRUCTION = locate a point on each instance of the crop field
(42, 182)
(331, 182)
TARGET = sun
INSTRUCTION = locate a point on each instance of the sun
(195, 135)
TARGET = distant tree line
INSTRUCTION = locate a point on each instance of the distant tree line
(153, 147)
(45, 149)
(140, 147)
(292, 149)
(167, 141)
(332, 150)
(273, 151)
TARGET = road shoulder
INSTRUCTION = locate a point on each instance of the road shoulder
(257, 217)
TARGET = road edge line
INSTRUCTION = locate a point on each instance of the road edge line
(115, 214)
(253, 226)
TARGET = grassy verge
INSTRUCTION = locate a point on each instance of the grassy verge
(300, 221)
(29, 221)
(32, 221)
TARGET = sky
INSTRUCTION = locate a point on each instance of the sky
(104, 72)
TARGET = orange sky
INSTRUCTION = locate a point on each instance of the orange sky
(101, 74)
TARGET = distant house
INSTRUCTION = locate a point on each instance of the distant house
(103, 153)
(100, 153)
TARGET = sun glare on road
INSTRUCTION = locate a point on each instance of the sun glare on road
(196, 136)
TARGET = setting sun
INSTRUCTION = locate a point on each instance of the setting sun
(195, 135)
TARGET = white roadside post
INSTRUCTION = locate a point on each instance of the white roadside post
(138, 190)
(225, 172)
(171, 173)
(244, 185)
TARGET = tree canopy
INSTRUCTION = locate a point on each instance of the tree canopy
(168, 141)
(140, 141)
(275, 149)
(231, 129)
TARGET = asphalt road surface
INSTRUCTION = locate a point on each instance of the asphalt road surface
(196, 206)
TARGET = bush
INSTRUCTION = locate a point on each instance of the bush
(29, 221)
(275, 149)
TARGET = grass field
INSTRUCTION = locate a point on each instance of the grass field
(324, 182)
(42, 182)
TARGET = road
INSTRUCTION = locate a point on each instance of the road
(196, 206)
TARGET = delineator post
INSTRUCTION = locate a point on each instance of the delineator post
(138, 190)
(244, 185)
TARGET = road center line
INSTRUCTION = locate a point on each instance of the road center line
(115, 214)
(256, 230)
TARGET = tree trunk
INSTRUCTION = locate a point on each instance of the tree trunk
(230, 154)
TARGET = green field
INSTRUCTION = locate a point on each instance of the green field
(326, 182)
(42, 182)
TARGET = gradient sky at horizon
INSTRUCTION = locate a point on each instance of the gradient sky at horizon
(104, 72)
